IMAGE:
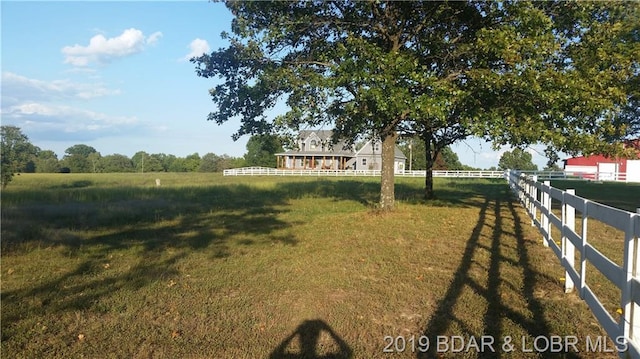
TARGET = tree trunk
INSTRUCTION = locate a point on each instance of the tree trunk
(431, 159)
(387, 188)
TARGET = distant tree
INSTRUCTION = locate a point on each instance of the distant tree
(209, 163)
(517, 160)
(144, 162)
(261, 150)
(47, 162)
(450, 159)
(413, 148)
(15, 152)
(446, 159)
(95, 159)
(77, 158)
(554, 167)
(192, 162)
(116, 163)
(235, 162)
(214, 163)
(166, 160)
(155, 162)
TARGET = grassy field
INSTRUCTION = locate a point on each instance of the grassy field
(205, 266)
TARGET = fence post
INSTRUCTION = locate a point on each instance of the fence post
(546, 201)
(629, 312)
(534, 198)
(635, 256)
(568, 249)
(583, 246)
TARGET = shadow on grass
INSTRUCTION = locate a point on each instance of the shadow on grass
(449, 193)
(158, 228)
(498, 310)
(314, 337)
(155, 231)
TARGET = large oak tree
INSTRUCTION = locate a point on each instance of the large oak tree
(517, 73)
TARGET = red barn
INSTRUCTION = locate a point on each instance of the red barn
(598, 167)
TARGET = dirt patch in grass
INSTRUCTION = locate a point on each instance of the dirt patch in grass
(276, 268)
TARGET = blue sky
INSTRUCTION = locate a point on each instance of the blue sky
(115, 76)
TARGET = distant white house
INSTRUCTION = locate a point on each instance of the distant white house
(315, 151)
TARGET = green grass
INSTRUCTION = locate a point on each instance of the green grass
(616, 194)
(206, 266)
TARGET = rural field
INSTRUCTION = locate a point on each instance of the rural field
(206, 266)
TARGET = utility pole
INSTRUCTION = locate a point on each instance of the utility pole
(410, 154)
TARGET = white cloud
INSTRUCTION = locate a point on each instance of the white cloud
(48, 110)
(103, 50)
(198, 47)
(61, 122)
(154, 38)
(17, 88)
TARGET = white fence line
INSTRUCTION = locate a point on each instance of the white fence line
(537, 197)
(267, 171)
(542, 175)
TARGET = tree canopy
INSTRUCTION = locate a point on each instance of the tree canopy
(558, 73)
(517, 160)
(80, 158)
(16, 153)
(261, 150)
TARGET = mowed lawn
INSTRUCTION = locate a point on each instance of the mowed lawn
(206, 266)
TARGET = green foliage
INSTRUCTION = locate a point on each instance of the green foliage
(116, 163)
(261, 150)
(143, 162)
(16, 153)
(214, 163)
(517, 160)
(47, 162)
(450, 160)
(80, 159)
(414, 149)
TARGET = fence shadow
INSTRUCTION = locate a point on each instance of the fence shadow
(313, 339)
(492, 234)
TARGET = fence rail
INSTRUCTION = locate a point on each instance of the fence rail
(537, 199)
(542, 175)
(266, 171)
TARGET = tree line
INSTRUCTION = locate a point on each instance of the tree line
(19, 155)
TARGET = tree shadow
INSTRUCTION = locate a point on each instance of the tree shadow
(156, 228)
(497, 311)
(454, 193)
(315, 340)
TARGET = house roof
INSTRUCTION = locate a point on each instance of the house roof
(336, 149)
(366, 150)
(322, 134)
(635, 144)
(317, 153)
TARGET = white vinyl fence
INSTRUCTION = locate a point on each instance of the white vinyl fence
(537, 197)
(542, 175)
(267, 171)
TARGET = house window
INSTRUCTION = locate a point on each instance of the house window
(364, 161)
(313, 144)
(376, 147)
